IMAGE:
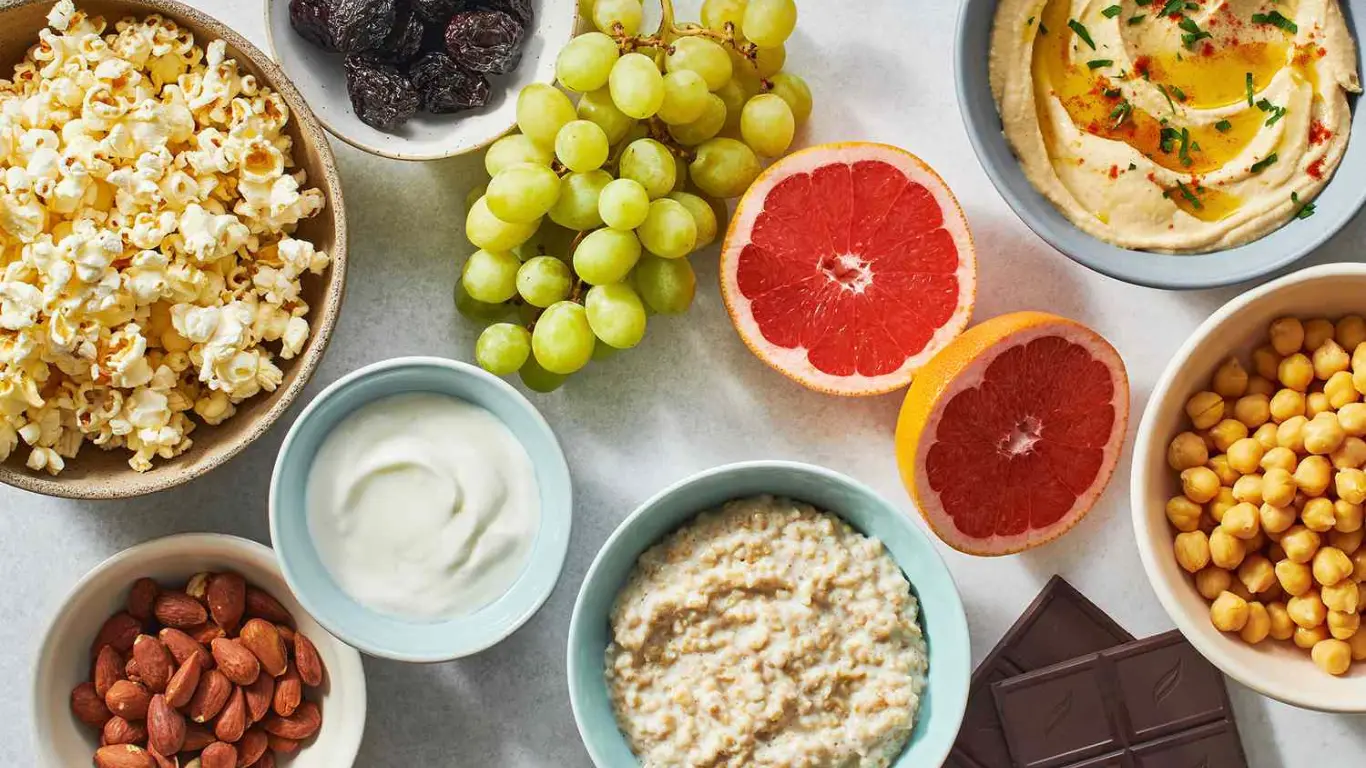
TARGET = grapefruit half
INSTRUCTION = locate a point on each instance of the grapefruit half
(1007, 437)
(847, 266)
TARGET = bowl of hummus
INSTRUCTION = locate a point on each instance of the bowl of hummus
(1165, 143)
(768, 614)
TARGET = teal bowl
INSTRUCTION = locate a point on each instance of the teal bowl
(941, 611)
(393, 637)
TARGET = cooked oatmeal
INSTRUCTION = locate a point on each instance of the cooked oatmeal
(766, 633)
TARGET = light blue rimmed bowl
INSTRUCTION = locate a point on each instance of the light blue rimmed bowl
(942, 617)
(1340, 200)
(380, 634)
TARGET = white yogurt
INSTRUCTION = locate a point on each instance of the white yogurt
(423, 506)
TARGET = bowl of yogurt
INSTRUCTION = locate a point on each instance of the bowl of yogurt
(420, 508)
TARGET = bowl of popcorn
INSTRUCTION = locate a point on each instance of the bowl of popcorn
(173, 245)
(1248, 488)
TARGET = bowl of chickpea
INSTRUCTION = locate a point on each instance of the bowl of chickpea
(1249, 484)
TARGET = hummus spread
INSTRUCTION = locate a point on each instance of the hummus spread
(1175, 126)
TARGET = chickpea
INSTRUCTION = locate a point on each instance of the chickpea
(1187, 450)
(1249, 489)
(1280, 458)
(1242, 520)
(1358, 358)
(1311, 476)
(1257, 573)
(1200, 484)
(1317, 332)
(1290, 434)
(1255, 410)
(1286, 405)
(1359, 565)
(1227, 475)
(1340, 390)
(1350, 485)
(1286, 335)
(1209, 582)
(1323, 434)
(1307, 610)
(1295, 578)
(1296, 372)
(1329, 358)
(1350, 455)
(1221, 504)
(1357, 643)
(1344, 596)
(1245, 456)
(1331, 565)
(1266, 436)
(1350, 331)
(1343, 625)
(1299, 544)
(1257, 543)
(1349, 541)
(1319, 516)
(1332, 656)
(1257, 626)
(1278, 487)
(1228, 612)
(1183, 514)
(1316, 403)
(1359, 379)
(1225, 549)
(1205, 409)
(1348, 516)
(1209, 440)
(1228, 432)
(1230, 380)
(1352, 417)
(1281, 625)
(1274, 592)
(1192, 550)
(1308, 638)
(1274, 519)
(1238, 589)
(1266, 362)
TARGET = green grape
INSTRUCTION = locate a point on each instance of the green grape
(586, 8)
(666, 285)
(616, 315)
(705, 57)
(608, 13)
(703, 215)
(515, 150)
(768, 23)
(650, 163)
(550, 240)
(636, 85)
(491, 233)
(624, 204)
(685, 96)
(796, 93)
(769, 61)
(562, 340)
(606, 256)
(577, 208)
(767, 125)
(538, 379)
(544, 280)
(478, 310)
(586, 61)
(669, 230)
(490, 276)
(680, 173)
(598, 107)
(705, 127)
(715, 14)
(523, 193)
(503, 348)
(724, 168)
(733, 98)
(582, 146)
(746, 75)
(542, 110)
(473, 197)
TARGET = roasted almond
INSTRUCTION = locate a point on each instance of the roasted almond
(88, 706)
(281, 745)
(120, 731)
(286, 634)
(261, 605)
(253, 744)
(267, 761)
(259, 696)
(123, 756)
(234, 660)
(141, 598)
(184, 647)
(162, 761)
(232, 721)
(227, 598)
(289, 691)
(128, 699)
(155, 662)
(309, 662)
(165, 727)
(206, 633)
(177, 609)
(119, 631)
(107, 669)
(209, 698)
(130, 670)
(197, 737)
(299, 726)
(264, 641)
(184, 682)
(218, 755)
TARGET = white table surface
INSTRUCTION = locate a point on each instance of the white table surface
(691, 397)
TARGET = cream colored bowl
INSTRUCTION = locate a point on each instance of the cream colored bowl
(1276, 669)
(96, 474)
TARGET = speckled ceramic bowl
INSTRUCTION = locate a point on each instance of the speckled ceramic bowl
(97, 474)
(941, 612)
(322, 79)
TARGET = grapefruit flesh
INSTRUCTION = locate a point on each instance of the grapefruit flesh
(1008, 437)
(847, 266)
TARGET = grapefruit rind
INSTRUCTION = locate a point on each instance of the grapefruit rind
(960, 367)
(793, 362)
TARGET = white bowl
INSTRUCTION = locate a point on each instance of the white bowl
(63, 660)
(1276, 669)
(319, 76)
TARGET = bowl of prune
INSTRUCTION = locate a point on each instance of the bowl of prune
(417, 79)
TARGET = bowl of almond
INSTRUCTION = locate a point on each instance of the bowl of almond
(190, 651)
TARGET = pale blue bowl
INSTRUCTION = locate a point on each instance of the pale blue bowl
(1334, 207)
(391, 637)
(946, 629)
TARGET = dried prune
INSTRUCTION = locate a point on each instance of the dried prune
(361, 25)
(438, 11)
(517, 9)
(312, 20)
(403, 43)
(445, 87)
(485, 41)
(380, 95)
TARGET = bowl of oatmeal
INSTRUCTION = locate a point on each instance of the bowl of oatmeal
(173, 245)
(768, 614)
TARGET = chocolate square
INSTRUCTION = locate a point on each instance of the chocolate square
(1210, 746)
(1112, 760)
(1058, 716)
(1167, 686)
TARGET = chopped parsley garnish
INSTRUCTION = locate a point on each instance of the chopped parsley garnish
(1180, 94)
(1305, 210)
(1276, 112)
(1223, 126)
(1113, 93)
(1080, 29)
(1264, 163)
(1043, 28)
(1112, 11)
(1133, 167)
(1185, 153)
(1275, 19)
(1194, 33)
(1143, 3)
(1120, 113)
(1029, 22)
(1251, 93)
(1173, 7)
(1168, 97)
(1167, 139)
(1189, 195)
(1098, 63)
(1135, 20)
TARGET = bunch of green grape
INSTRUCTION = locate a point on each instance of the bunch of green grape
(592, 209)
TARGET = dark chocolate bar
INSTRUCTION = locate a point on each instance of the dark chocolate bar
(1147, 704)
(1059, 625)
